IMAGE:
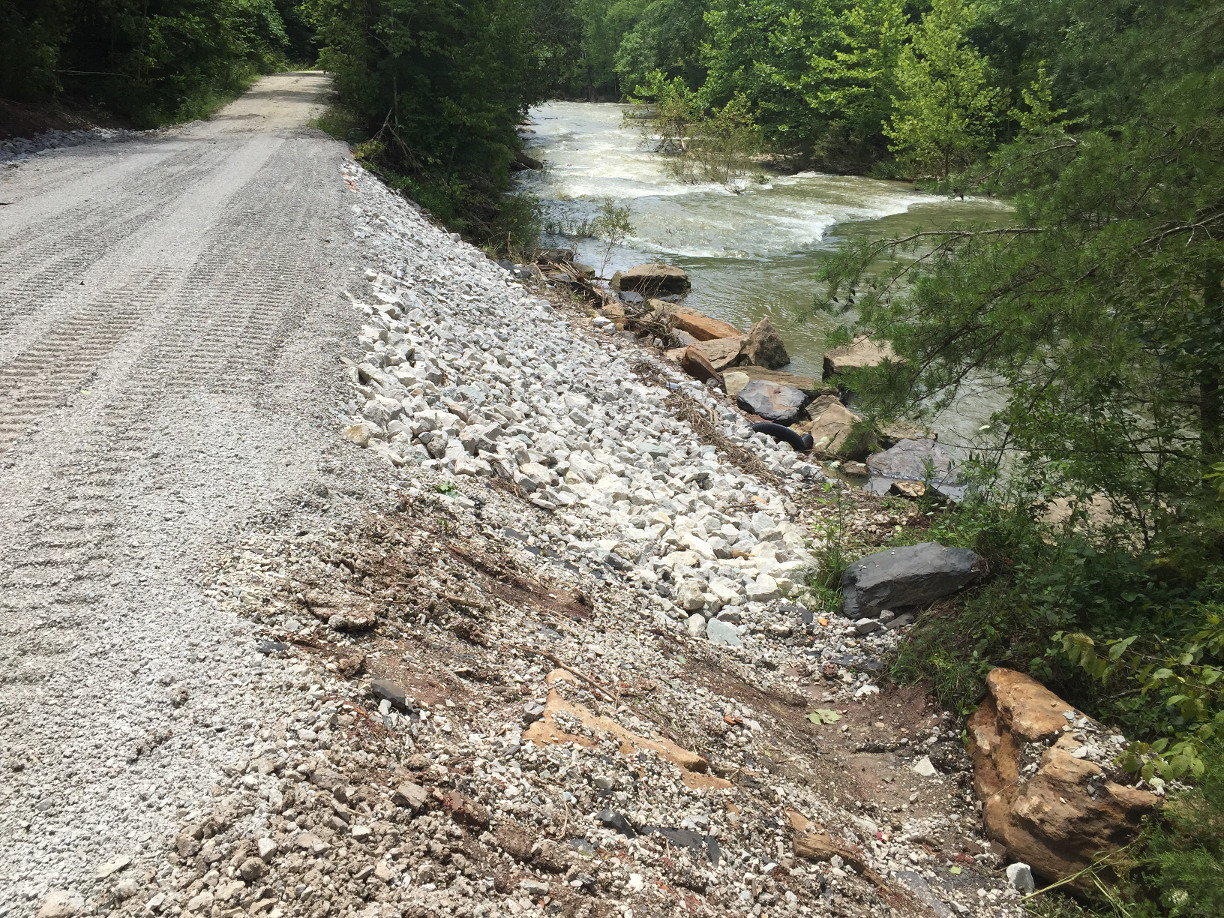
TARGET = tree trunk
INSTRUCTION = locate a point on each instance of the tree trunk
(1211, 398)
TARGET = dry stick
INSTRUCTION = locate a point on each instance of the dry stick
(565, 666)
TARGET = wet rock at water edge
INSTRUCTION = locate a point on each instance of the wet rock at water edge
(813, 387)
(555, 257)
(859, 354)
(765, 347)
(701, 327)
(905, 578)
(721, 353)
(781, 404)
(915, 460)
(523, 162)
(652, 280)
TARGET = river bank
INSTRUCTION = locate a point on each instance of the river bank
(511, 702)
(751, 255)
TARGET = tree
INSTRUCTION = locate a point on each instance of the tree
(945, 110)
(151, 60)
(763, 49)
(1101, 307)
(440, 85)
(854, 86)
(666, 38)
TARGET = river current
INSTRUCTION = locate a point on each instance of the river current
(752, 252)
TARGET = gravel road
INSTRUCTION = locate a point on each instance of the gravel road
(171, 323)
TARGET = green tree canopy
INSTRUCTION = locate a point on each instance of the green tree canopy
(1101, 307)
(946, 107)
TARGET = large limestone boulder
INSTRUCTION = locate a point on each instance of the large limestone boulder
(860, 353)
(734, 381)
(652, 280)
(831, 430)
(780, 404)
(1044, 773)
(702, 327)
(907, 578)
(765, 348)
(721, 353)
(813, 387)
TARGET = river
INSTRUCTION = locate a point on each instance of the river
(750, 254)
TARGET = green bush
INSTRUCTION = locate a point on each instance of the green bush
(1181, 856)
(152, 61)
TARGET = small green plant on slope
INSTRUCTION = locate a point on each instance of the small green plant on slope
(613, 225)
(831, 546)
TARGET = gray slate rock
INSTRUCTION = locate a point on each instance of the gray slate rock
(902, 578)
(721, 632)
(915, 460)
(773, 402)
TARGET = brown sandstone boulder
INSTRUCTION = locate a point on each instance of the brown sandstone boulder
(859, 353)
(1043, 773)
(720, 352)
(765, 348)
(702, 327)
(652, 280)
(695, 364)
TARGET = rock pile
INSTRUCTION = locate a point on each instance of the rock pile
(508, 395)
(19, 148)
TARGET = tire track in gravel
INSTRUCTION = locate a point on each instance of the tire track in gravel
(54, 258)
(41, 376)
(115, 495)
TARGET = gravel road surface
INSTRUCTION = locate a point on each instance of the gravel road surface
(171, 321)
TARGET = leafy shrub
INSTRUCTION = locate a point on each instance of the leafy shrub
(1182, 854)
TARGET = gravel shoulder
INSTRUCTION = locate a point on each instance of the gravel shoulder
(170, 334)
(346, 576)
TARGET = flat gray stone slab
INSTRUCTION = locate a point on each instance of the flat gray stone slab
(780, 404)
(720, 632)
(905, 578)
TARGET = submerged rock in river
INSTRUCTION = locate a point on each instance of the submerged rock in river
(915, 460)
(860, 353)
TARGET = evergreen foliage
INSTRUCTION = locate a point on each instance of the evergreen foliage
(439, 86)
